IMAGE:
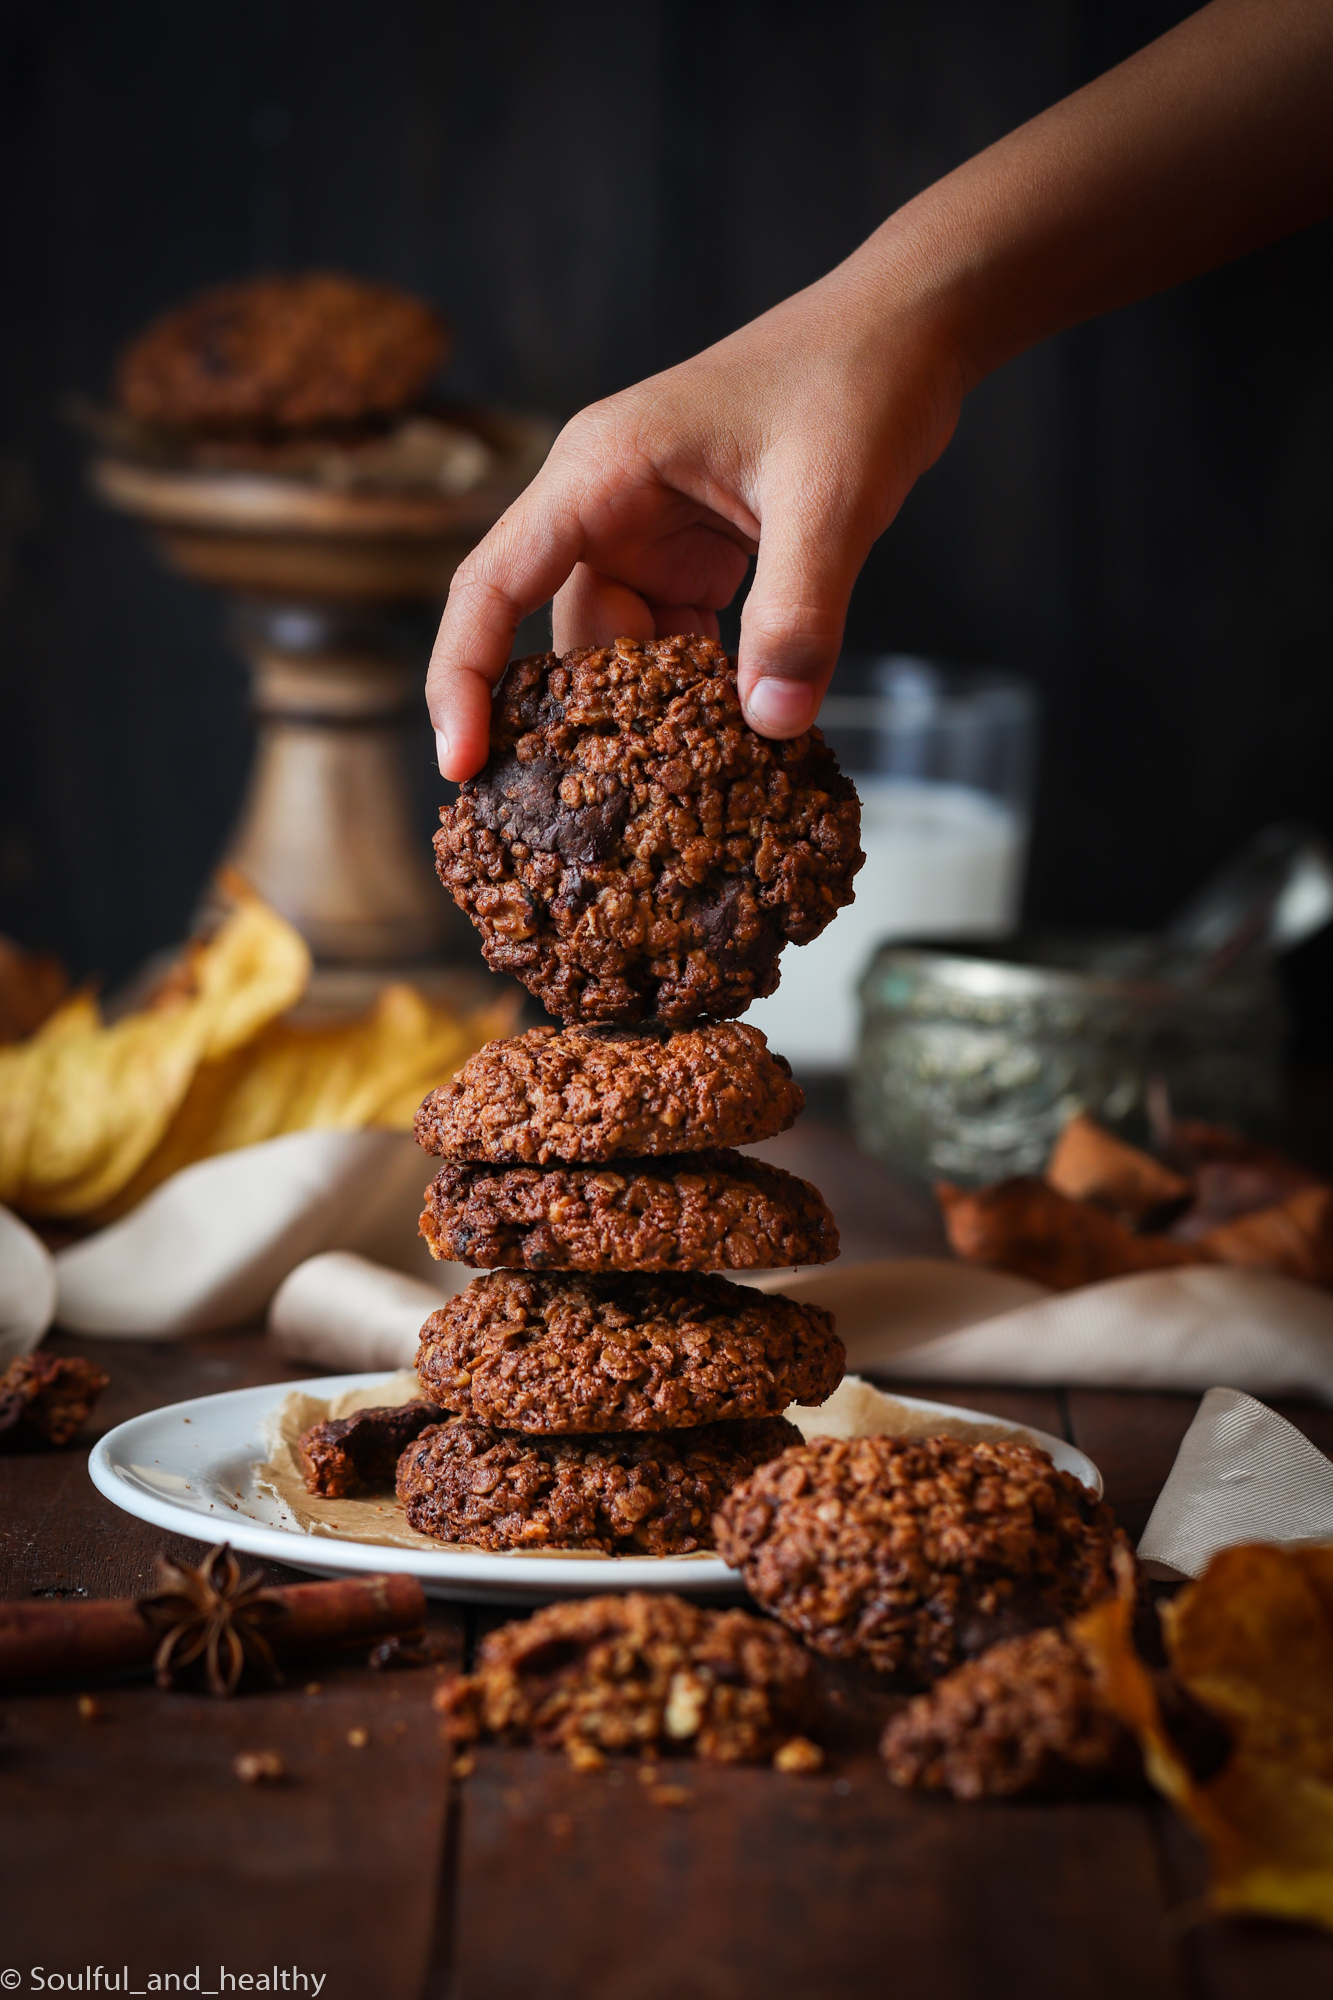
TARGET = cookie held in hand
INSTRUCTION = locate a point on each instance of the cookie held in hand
(633, 849)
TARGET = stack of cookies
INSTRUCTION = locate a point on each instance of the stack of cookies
(638, 856)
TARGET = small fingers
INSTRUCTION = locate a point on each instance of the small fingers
(522, 561)
(595, 610)
(671, 620)
(792, 623)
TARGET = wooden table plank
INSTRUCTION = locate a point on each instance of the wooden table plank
(178, 1863)
(827, 1888)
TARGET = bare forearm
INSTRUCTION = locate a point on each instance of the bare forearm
(1213, 140)
(802, 433)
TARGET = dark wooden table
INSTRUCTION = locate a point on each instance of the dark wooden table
(129, 1843)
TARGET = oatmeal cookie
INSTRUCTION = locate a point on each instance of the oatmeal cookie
(45, 1399)
(1023, 1718)
(641, 1351)
(916, 1553)
(638, 1672)
(303, 353)
(590, 1095)
(357, 1454)
(633, 849)
(696, 1212)
(625, 1495)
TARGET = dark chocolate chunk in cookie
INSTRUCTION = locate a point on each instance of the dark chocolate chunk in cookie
(359, 1453)
(695, 1212)
(596, 1094)
(633, 849)
(567, 1352)
(633, 1494)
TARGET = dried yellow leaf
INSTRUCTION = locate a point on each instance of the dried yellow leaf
(1252, 1641)
(82, 1106)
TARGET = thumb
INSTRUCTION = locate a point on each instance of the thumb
(792, 623)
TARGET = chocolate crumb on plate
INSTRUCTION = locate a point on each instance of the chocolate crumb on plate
(343, 1456)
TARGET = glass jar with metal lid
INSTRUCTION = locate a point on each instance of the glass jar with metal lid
(973, 1056)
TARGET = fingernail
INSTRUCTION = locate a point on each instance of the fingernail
(441, 748)
(780, 708)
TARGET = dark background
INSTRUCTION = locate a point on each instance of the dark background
(1136, 516)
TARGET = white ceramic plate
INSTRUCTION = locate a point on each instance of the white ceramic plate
(190, 1468)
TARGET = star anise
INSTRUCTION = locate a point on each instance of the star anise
(210, 1620)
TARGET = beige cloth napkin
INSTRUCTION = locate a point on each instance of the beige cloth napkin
(915, 1319)
(27, 1288)
(209, 1247)
(342, 1311)
(1242, 1474)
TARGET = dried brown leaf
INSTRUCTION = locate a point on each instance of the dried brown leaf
(1027, 1227)
(1091, 1164)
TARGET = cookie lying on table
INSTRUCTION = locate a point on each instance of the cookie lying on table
(640, 1672)
(912, 1554)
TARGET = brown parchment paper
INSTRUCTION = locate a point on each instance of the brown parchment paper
(858, 1409)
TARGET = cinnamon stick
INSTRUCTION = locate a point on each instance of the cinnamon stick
(73, 1639)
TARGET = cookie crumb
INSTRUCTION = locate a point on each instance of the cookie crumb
(259, 1767)
(358, 1738)
(464, 1766)
(799, 1754)
(670, 1795)
(90, 1709)
(584, 1756)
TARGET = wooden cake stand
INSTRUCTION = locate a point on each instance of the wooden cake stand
(326, 580)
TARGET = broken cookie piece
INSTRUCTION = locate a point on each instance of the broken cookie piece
(358, 1454)
(45, 1398)
(1024, 1718)
(639, 1672)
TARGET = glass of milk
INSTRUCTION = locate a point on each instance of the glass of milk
(943, 763)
